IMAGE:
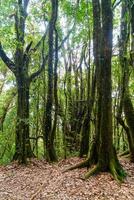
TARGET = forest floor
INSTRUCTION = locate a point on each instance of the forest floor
(43, 181)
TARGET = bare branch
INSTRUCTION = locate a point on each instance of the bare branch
(9, 63)
(25, 5)
(38, 72)
(36, 138)
(40, 41)
(28, 47)
(122, 123)
(64, 40)
(26, 2)
(115, 4)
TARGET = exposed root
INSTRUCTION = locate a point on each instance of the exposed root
(124, 153)
(128, 156)
(83, 164)
(93, 171)
(115, 175)
(115, 169)
(117, 172)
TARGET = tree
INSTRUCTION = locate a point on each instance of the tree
(107, 159)
(125, 101)
(20, 69)
(49, 133)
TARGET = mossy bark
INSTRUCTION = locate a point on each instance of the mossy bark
(129, 115)
(23, 148)
(84, 145)
(19, 67)
(125, 101)
(49, 133)
(107, 160)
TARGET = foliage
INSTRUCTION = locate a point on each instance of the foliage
(75, 75)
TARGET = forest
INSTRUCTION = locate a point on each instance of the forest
(66, 99)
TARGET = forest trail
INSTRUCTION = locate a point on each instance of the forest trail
(42, 181)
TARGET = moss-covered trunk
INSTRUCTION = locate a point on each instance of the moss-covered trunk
(49, 131)
(129, 115)
(22, 142)
(106, 159)
(125, 101)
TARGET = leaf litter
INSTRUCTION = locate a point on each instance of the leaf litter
(40, 180)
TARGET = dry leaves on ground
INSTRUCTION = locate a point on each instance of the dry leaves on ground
(43, 181)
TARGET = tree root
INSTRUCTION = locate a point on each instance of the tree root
(113, 167)
(117, 172)
(128, 154)
(124, 153)
(83, 164)
(93, 171)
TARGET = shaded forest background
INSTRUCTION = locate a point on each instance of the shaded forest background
(66, 81)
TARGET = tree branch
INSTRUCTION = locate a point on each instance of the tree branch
(115, 4)
(37, 73)
(36, 138)
(28, 48)
(9, 63)
(26, 2)
(40, 41)
(63, 41)
(122, 123)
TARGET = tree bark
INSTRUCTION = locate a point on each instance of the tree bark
(49, 136)
(20, 69)
(107, 159)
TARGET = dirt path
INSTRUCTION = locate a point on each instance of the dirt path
(42, 181)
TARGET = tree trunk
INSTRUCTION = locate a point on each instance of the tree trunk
(85, 126)
(20, 69)
(93, 154)
(6, 106)
(107, 159)
(22, 142)
(125, 101)
(49, 136)
(129, 115)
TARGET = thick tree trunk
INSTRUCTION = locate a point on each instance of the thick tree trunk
(107, 159)
(125, 101)
(22, 142)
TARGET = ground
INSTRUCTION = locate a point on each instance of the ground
(43, 181)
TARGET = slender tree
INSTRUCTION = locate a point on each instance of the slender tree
(48, 133)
